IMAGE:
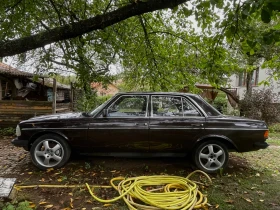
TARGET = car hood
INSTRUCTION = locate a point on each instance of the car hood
(71, 115)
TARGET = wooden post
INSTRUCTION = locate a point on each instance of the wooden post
(0, 90)
(54, 96)
(71, 96)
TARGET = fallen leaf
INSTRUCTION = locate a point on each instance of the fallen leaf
(66, 208)
(113, 171)
(261, 200)
(230, 201)
(107, 204)
(42, 203)
(49, 170)
(257, 174)
(217, 206)
(48, 206)
(59, 180)
(32, 205)
(248, 200)
(71, 203)
(71, 194)
(30, 172)
(88, 201)
(84, 208)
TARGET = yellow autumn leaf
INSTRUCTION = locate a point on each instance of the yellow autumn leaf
(248, 200)
(30, 172)
(71, 203)
(66, 208)
(32, 205)
(261, 200)
(59, 180)
(71, 194)
(113, 171)
(49, 170)
(48, 206)
(88, 201)
(107, 204)
(42, 203)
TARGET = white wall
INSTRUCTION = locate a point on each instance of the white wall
(263, 74)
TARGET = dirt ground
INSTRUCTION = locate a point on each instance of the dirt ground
(16, 163)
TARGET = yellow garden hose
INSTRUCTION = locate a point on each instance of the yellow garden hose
(158, 192)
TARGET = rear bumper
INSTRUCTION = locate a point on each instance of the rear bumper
(20, 143)
(261, 145)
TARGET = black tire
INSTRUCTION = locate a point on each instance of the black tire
(50, 151)
(211, 156)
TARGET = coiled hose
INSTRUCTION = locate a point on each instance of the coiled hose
(158, 192)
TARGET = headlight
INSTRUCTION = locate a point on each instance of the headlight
(18, 132)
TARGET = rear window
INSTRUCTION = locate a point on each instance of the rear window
(208, 109)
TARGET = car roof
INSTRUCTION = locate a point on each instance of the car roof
(155, 93)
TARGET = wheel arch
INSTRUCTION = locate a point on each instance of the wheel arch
(41, 133)
(223, 139)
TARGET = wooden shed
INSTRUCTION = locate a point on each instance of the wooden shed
(21, 97)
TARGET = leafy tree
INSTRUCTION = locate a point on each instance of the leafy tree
(154, 41)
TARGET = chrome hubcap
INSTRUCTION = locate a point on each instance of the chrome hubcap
(212, 157)
(49, 153)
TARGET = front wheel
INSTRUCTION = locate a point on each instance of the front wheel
(211, 156)
(50, 151)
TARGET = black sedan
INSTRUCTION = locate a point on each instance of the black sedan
(138, 123)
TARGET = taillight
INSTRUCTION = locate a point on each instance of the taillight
(266, 134)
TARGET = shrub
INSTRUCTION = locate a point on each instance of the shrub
(89, 101)
(7, 131)
(259, 105)
(274, 128)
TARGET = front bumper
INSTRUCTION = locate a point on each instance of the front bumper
(20, 143)
(261, 145)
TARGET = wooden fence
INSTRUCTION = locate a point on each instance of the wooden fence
(12, 112)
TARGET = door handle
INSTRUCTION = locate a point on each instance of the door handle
(197, 125)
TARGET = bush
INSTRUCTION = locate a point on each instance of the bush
(7, 131)
(220, 103)
(274, 128)
(260, 106)
(89, 101)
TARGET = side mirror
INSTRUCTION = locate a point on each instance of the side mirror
(105, 112)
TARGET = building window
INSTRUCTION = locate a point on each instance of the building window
(255, 78)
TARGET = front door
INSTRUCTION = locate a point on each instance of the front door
(125, 129)
(175, 124)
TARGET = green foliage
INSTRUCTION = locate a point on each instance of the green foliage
(24, 205)
(7, 131)
(89, 101)
(162, 50)
(274, 128)
(220, 103)
(259, 105)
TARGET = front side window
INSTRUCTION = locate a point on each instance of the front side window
(168, 106)
(129, 106)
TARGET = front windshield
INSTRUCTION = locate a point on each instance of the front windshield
(208, 109)
(99, 108)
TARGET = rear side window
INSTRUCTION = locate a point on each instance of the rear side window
(209, 110)
(172, 106)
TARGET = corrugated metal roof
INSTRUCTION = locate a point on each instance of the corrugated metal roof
(8, 70)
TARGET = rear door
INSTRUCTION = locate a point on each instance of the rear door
(175, 124)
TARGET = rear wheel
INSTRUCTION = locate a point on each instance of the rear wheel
(211, 156)
(50, 151)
